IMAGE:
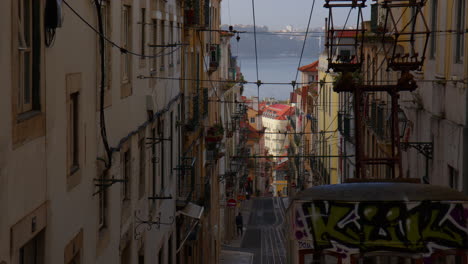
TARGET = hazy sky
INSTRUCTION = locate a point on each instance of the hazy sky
(276, 14)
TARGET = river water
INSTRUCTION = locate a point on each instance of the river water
(281, 70)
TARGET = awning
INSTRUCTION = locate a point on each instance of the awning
(192, 210)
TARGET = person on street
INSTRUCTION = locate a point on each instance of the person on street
(239, 224)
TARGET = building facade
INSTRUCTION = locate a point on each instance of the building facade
(326, 163)
(437, 110)
(113, 138)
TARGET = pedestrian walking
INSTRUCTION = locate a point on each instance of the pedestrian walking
(239, 224)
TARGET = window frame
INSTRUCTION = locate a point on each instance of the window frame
(179, 52)
(153, 162)
(103, 202)
(154, 41)
(126, 59)
(460, 21)
(162, 159)
(142, 166)
(126, 43)
(38, 246)
(29, 125)
(142, 31)
(74, 119)
(106, 23)
(453, 177)
(25, 42)
(171, 42)
(171, 141)
(126, 174)
(434, 25)
(162, 39)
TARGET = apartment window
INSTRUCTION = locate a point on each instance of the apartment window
(142, 31)
(153, 161)
(460, 37)
(126, 44)
(453, 177)
(106, 24)
(142, 172)
(126, 170)
(252, 120)
(161, 255)
(154, 42)
(414, 10)
(163, 42)
(125, 257)
(33, 251)
(72, 252)
(141, 256)
(103, 202)
(162, 160)
(76, 259)
(171, 41)
(433, 40)
(29, 47)
(171, 135)
(178, 30)
(74, 124)
(169, 254)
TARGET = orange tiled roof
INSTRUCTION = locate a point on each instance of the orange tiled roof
(278, 111)
(310, 67)
(346, 33)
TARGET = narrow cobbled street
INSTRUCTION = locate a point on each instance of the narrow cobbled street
(264, 236)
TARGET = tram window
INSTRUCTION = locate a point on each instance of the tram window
(448, 259)
(320, 259)
(386, 260)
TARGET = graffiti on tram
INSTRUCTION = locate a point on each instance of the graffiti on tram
(390, 226)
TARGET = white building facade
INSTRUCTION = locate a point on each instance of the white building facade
(65, 196)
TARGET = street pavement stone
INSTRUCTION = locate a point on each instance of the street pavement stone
(235, 257)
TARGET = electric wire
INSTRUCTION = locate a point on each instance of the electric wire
(304, 43)
(114, 44)
(302, 83)
(255, 38)
(206, 67)
(102, 117)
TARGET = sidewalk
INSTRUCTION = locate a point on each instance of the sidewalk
(245, 210)
(232, 253)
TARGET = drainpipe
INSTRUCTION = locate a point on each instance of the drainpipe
(465, 145)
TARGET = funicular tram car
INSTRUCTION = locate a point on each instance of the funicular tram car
(378, 223)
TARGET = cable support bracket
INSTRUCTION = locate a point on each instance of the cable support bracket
(150, 222)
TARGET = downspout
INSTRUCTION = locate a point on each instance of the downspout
(465, 145)
(465, 135)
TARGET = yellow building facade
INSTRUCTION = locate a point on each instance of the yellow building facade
(326, 162)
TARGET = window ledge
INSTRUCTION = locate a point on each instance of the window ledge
(27, 115)
(27, 127)
(74, 178)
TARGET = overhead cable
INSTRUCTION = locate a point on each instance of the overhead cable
(304, 43)
(122, 49)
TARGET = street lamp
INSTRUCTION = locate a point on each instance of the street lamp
(402, 122)
(424, 148)
(235, 166)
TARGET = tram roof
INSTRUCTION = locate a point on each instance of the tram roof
(380, 191)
